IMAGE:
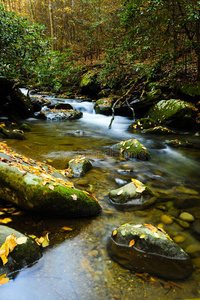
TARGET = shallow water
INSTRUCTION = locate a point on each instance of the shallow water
(76, 264)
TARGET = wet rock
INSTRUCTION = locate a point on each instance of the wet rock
(134, 194)
(24, 127)
(131, 149)
(90, 85)
(178, 144)
(63, 106)
(104, 106)
(166, 219)
(185, 216)
(23, 255)
(33, 187)
(143, 123)
(79, 166)
(196, 226)
(158, 130)
(59, 114)
(148, 249)
(14, 104)
(14, 134)
(17, 135)
(179, 239)
(182, 223)
(174, 113)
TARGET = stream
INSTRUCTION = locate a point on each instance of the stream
(76, 264)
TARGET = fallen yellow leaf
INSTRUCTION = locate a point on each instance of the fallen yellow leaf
(3, 279)
(114, 232)
(21, 240)
(6, 220)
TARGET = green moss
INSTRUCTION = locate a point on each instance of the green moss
(28, 192)
(25, 128)
(132, 149)
(192, 90)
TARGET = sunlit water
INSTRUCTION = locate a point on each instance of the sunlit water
(76, 264)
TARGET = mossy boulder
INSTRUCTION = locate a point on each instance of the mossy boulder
(60, 114)
(191, 91)
(143, 123)
(153, 95)
(148, 249)
(174, 113)
(104, 106)
(26, 253)
(38, 188)
(24, 127)
(89, 84)
(14, 134)
(14, 104)
(79, 166)
(134, 194)
(131, 149)
(158, 130)
(179, 144)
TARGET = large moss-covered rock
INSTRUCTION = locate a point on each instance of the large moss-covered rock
(29, 185)
(134, 194)
(174, 113)
(104, 106)
(148, 249)
(131, 149)
(89, 84)
(14, 104)
(24, 254)
(143, 123)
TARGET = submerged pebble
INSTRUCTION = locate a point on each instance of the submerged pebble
(185, 216)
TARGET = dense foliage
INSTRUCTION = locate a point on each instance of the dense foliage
(21, 45)
(65, 38)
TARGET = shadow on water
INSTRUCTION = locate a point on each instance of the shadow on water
(76, 264)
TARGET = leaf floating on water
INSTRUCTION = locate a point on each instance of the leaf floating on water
(66, 228)
(3, 279)
(6, 220)
(114, 232)
(132, 242)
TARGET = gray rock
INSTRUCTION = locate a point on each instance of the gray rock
(131, 149)
(148, 249)
(134, 194)
(23, 255)
(79, 166)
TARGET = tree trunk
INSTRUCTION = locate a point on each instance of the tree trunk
(51, 24)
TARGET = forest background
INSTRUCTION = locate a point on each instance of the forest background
(51, 44)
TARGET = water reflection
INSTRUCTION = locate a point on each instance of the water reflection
(76, 264)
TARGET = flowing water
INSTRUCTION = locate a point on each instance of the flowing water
(76, 264)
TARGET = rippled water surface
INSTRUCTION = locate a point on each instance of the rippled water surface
(76, 264)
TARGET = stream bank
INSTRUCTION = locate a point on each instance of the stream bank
(76, 265)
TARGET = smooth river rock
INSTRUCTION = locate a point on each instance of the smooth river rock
(23, 255)
(148, 249)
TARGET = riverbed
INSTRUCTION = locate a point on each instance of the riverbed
(76, 264)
